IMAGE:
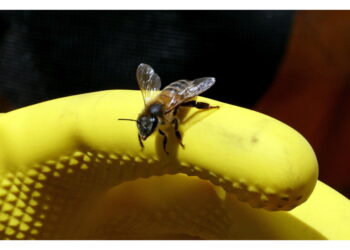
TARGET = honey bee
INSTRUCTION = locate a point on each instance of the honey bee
(161, 107)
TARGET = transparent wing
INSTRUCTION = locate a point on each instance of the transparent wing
(192, 89)
(149, 82)
(197, 87)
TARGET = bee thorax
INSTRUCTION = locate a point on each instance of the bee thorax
(155, 109)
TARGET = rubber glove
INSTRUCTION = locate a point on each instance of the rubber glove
(69, 169)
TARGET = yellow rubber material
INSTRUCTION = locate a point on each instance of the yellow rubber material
(178, 206)
(57, 158)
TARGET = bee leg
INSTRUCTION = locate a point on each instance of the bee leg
(198, 105)
(140, 140)
(165, 140)
(175, 110)
(177, 132)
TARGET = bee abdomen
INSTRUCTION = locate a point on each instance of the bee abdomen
(177, 86)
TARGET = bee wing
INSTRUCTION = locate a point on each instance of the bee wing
(149, 82)
(192, 89)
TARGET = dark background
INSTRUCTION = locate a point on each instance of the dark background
(49, 54)
(291, 65)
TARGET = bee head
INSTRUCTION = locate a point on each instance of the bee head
(146, 124)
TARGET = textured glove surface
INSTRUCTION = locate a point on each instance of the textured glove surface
(59, 158)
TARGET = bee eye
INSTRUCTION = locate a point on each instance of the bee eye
(152, 123)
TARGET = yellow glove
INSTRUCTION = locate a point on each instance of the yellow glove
(60, 162)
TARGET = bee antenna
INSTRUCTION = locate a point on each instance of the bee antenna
(125, 119)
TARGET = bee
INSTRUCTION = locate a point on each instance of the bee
(161, 108)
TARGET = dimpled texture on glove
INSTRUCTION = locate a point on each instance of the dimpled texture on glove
(61, 162)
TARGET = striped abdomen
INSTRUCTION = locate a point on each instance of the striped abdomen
(171, 96)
